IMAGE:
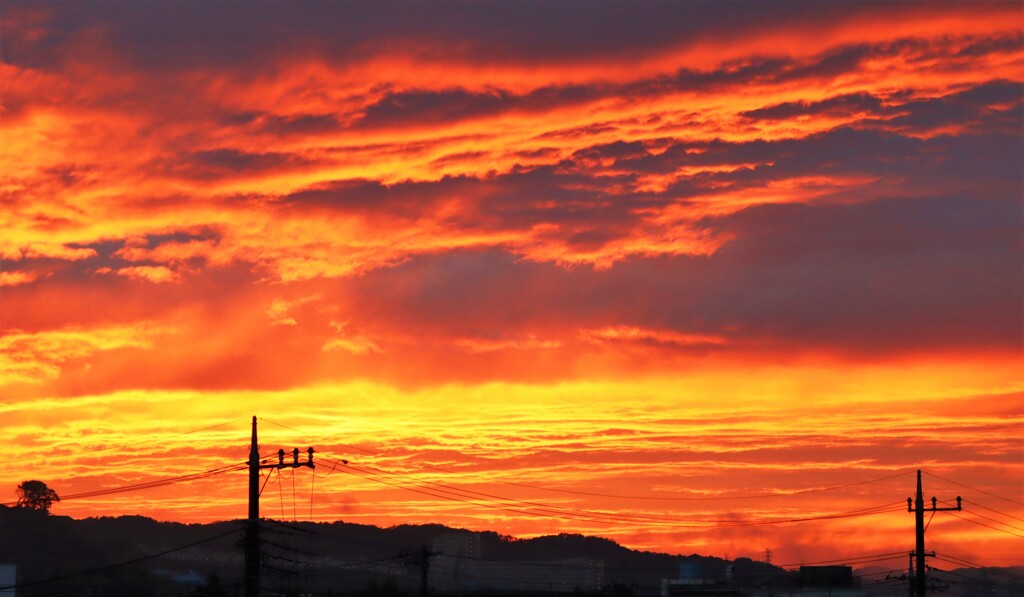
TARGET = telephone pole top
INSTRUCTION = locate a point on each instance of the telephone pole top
(917, 507)
(252, 529)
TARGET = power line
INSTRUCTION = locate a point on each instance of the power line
(973, 503)
(456, 494)
(999, 497)
(962, 562)
(976, 581)
(121, 446)
(994, 528)
(901, 473)
(323, 439)
(846, 560)
(592, 515)
(156, 483)
(1006, 524)
(704, 498)
(118, 565)
(466, 496)
(855, 560)
(334, 537)
(149, 484)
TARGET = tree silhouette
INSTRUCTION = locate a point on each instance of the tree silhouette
(35, 495)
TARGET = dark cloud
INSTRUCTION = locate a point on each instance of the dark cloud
(870, 279)
(985, 164)
(227, 162)
(1001, 44)
(184, 35)
(844, 105)
(574, 203)
(305, 124)
(370, 197)
(421, 107)
(617, 150)
(426, 108)
(990, 107)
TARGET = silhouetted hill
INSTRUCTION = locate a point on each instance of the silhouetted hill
(134, 555)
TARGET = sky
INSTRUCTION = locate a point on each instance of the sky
(696, 277)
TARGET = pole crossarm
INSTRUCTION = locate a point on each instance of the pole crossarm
(293, 464)
(935, 508)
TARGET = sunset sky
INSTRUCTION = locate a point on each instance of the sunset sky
(676, 274)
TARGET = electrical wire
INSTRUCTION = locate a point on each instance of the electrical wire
(121, 446)
(962, 562)
(973, 503)
(118, 565)
(460, 497)
(262, 487)
(853, 563)
(465, 496)
(280, 490)
(998, 497)
(333, 468)
(1006, 524)
(589, 514)
(150, 484)
(901, 473)
(994, 528)
(704, 498)
(592, 515)
(847, 560)
(856, 560)
(312, 488)
(974, 581)
(356, 448)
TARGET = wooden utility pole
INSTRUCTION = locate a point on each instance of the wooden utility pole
(252, 528)
(917, 507)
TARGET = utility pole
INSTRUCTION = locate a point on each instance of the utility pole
(424, 569)
(917, 507)
(252, 528)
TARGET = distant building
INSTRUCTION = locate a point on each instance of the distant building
(464, 545)
(8, 578)
(827, 581)
(826, 576)
(459, 566)
(700, 580)
(697, 580)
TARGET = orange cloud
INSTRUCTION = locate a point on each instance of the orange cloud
(635, 334)
(158, 274)
(33, 357)
(17, 278)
